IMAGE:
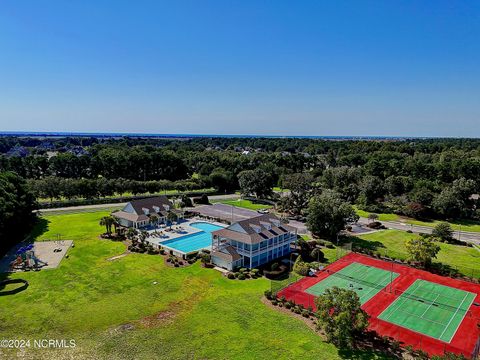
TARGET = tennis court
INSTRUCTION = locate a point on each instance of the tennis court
(431, 309)
(365, 280)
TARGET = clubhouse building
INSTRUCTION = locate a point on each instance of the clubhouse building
(143, 212)
(252, 242)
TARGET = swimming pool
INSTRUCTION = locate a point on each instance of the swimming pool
(193, 242)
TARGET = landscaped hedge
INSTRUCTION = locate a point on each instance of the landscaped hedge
(273, 274)
(120, 199)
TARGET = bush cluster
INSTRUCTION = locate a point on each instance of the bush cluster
(288, 304)
(244, 273)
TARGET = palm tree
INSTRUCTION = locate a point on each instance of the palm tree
(108, 222)
(153, 219)
(171, 217)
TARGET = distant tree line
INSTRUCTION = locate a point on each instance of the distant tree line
(419, 178)
(54, 188)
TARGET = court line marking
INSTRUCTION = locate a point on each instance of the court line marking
(453, 316)
(417, 282)
(430, 306)
(418, 317)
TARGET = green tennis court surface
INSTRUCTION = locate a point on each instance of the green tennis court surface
(431, 309)
(365, 280)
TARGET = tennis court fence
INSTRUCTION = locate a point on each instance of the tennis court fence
(419, 342)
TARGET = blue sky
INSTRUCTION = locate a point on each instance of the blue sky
(408, 68)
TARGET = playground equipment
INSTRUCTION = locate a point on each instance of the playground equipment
(26, 260)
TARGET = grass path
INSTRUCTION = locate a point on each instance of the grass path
(191, 312)
(246, 204)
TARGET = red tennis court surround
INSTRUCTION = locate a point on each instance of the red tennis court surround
(465, 339)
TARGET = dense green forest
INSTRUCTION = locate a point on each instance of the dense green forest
(421, 178)
(16, 205)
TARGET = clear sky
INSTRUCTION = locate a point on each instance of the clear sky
(408, 68)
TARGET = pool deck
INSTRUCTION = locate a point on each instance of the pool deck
(185, 225)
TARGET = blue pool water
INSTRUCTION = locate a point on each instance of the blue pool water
(193, 242)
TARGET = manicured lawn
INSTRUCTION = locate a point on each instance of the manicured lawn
(464, 225)
(381, 217)
(391, 242)
(247, 204)
(191, 312)
(330, 254)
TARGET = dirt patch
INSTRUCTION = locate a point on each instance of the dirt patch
(161, 318)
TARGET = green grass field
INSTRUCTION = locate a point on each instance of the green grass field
(366, 281)
(430, 309)
(114, 311)
(247, 204)
(391, 242)
(463, 225)
(381, 217)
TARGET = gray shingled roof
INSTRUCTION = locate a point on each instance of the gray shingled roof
(256, 229)
(149, 203)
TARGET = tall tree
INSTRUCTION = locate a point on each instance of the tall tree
(300, 187)
(422, 249)
(328, 214)
(340, 316)
(255, 182)
(16, 206)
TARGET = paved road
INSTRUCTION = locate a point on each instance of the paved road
(113, 205)
(473, 237)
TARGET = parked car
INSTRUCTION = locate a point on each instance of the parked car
(263, 211)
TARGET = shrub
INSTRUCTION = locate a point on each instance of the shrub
(375, 225)
(274, 266)
(231, 275)
(300, 267)
(268, 294)
(305, 313)
(288, 305)
(243, 270)
(176, 265)
(241, 276)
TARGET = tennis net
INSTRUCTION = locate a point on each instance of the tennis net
(435, 302)
(358, 281)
